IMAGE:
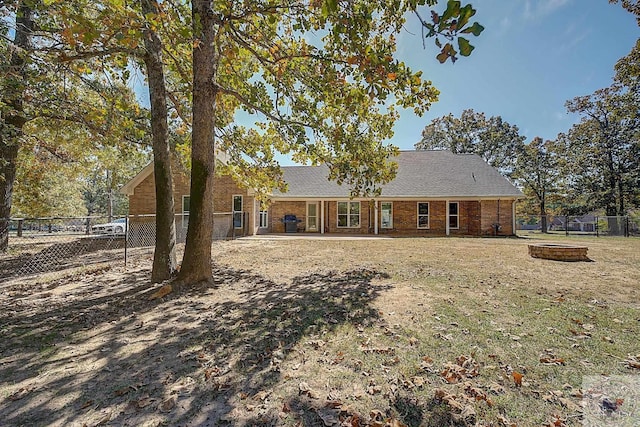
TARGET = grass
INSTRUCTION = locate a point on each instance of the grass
(416, 332)
(487, 300)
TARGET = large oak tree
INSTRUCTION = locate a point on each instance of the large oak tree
(322, 82)
(493, 139)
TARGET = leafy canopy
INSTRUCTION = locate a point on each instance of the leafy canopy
(493, 139)
(317, 80)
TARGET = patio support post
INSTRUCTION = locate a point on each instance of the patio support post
(321, 216)
(513, 217)
(375, 216)
(446, 219)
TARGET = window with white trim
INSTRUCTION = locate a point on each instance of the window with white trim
(423, 214)
(237, 211)
(186, 207)
(348, 214)
(263, 219)
(386, 215)
(454, 216)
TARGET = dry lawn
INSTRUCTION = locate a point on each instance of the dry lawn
(416, 332)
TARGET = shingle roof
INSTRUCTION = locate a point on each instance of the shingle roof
(420, 174)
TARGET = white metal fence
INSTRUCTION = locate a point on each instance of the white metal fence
(48, 245)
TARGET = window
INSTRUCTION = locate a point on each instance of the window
(423, 215)
(186, 207)
(312, 216)
(386, 220)
(237, 212)
(349, 214)
(264, 219)
(453, 215)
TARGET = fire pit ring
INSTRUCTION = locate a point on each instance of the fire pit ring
(558, 252)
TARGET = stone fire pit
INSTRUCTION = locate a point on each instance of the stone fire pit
(558, 252)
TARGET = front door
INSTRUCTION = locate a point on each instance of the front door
(312, 216)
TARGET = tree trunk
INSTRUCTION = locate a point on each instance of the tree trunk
(543, 216)
(164, 255)
(196, 263)
(109, 196)
(12, 117)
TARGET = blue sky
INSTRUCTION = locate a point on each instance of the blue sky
(533, 56)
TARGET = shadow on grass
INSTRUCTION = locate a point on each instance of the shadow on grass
(109, 355)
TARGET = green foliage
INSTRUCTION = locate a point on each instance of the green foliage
(602, 151)
(537, 172)
(453, 21)
(318, 81)
(45, 187)
(74, 113)
(493, 139)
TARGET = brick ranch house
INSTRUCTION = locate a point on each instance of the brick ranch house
(435, 193)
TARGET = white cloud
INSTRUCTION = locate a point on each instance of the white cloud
(542, 8)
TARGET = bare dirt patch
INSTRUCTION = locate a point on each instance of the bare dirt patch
(399, 332)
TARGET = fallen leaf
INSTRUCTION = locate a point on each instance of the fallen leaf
(505, 421)
(104, 420)
(334, 404)
(496, 388)
(19, 394)
(167, 405)
(374, 389)
(304, 389)
(330, 417)
(517, 378)
(86, 404)
(418, 381)
(633, 362)
(261, 395)
(548, 360)
(122, 391)
(144, 401)
(569, 404)
(379, 350)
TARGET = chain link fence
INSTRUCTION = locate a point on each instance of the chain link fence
(42, 245)
(590, 225)
(48, 245)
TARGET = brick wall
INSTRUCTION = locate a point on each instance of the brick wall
(278, 210)
(143, 200)
(475, 217)
(331, 219)
(405, 219)
(496, 212)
